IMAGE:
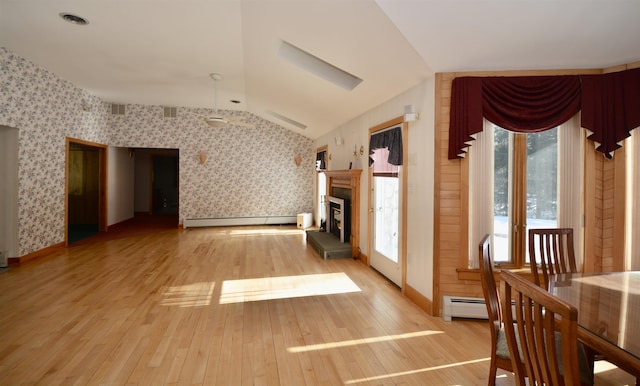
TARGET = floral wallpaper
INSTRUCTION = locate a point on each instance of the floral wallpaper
(45, 109)
(249, 171)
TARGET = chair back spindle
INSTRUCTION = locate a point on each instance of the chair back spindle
(552, 249)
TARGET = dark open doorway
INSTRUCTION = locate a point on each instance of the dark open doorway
(156, 185)
(86, 189)
(165, 184)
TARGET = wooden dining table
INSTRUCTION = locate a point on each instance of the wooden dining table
(608, 313)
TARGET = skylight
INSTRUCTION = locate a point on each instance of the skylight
(317, 66)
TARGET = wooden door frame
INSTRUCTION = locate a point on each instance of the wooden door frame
(102, 190)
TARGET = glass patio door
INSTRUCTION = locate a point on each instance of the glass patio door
(385, 219)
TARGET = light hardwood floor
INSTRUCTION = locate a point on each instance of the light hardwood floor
(225, 306)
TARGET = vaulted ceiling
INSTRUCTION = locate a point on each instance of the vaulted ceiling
(161, 52)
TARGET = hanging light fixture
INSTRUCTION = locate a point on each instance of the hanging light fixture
(216, 120)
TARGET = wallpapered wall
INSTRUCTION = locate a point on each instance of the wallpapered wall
(250, 172)
(45, 109)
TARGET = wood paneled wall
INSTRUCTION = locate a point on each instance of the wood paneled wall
(604, 201)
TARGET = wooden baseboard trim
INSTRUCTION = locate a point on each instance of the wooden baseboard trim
(419, 299)
(37, 254)
(363, 258)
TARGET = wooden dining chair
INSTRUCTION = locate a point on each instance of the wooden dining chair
(499, 350)
(552, 250)
(542, 331)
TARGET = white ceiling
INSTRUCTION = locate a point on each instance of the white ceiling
(161, 51)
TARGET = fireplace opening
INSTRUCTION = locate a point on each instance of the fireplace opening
(339, 218)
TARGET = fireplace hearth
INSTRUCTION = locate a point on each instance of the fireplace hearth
(341, 185)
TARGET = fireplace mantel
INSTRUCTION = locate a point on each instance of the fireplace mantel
(348, 179)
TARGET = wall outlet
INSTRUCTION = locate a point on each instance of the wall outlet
(4, 259)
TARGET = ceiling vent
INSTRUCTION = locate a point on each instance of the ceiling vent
(117, 109)
(287, 119)
(170, 112)
(73, 19)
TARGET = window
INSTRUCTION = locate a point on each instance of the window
(519, 181)
(524, 190)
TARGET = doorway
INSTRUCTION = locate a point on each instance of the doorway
(9, 198)
(165, 184)
(321, 186)
(387, 200)
(86, 190)
(156, 184)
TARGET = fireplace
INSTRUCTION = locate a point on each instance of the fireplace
(339, 218)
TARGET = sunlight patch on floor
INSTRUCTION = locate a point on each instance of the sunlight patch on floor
(603, 366)
(189, 295)
(269, 231)
(268, 288)
(354, 342)
(606, 373)
(417, 371)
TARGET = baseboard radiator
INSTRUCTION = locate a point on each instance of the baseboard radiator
(238, 221)
(463, 307)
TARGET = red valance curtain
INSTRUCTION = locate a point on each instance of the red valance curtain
(610, 105)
